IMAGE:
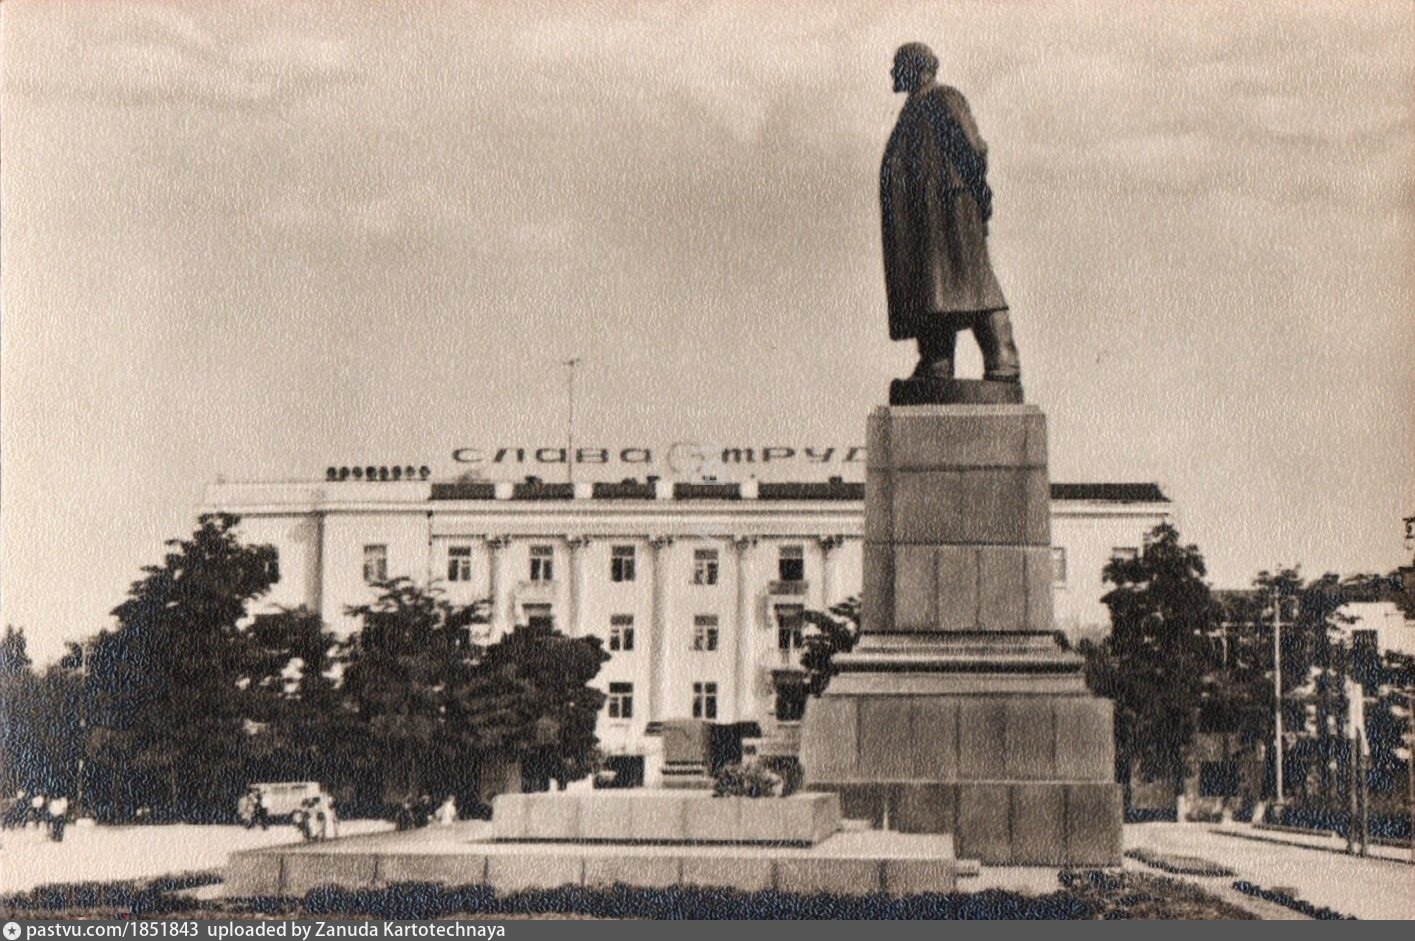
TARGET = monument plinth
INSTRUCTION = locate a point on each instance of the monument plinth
(959, 712)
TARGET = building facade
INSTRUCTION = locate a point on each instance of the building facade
(696, 589)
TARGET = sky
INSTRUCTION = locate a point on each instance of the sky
(254, 239)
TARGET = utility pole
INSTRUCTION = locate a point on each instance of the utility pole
(571, 364)
(1277, 698)
(1356, 836)
(83, 726)
(1409, 697)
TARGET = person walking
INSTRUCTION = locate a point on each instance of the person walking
(58, 818)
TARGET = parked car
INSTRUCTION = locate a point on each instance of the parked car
(277, 802)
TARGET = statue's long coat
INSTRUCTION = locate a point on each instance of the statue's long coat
(935, 203)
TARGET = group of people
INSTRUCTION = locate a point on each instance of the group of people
(25, 809)
(416, 812)
(315, 819)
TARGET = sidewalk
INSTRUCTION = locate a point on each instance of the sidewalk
(1374, 887)
(1327, 842)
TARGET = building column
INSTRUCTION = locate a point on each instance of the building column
(497, 588)
(573, 628)
(828, 546)
(658, 546)
(745, 680)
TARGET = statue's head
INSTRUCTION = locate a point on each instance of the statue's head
(914, 65)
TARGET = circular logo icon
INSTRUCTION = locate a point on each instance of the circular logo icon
(12, 931)
(686, 459)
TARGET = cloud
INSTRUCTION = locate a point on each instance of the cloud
(152, 54)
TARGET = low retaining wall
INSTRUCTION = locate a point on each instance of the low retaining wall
(643, 816)
(846, 864)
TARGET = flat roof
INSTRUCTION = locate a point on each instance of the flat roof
(813, 490)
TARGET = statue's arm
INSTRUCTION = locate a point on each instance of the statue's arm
(964, 116)
(956, 133)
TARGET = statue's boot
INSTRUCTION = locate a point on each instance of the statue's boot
(1001, 362)
(936, 347)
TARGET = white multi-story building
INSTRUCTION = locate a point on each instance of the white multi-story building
(1381, 624)
(696, 589)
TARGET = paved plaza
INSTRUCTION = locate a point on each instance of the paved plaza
(28, 858)
(1367, 888)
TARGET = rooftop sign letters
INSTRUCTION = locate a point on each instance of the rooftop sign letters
(681, 457)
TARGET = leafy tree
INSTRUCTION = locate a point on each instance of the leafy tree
(165, 698)
(440, 708)
(304, 725)
(532, 703)
(1237, 695)
(17, 712)
(412, 656)
(1152, 663)
(1388, 718)
(40, 732)
(14, 653)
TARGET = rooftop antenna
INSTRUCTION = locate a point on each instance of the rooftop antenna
(572, 365)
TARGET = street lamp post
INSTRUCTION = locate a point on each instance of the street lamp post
(1410, 757)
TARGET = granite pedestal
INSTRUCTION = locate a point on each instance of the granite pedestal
(641, 838)
(959, 712)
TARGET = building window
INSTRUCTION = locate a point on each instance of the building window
(621, 564)
(704, 566)
(1058, 565)
(704, 700)
(789, 625)
(791, 563)
(705, 632)
(459, 563)
(621, 701)
(375, 564)
(539, 616)
(621, 632)
(1124, 554)
(542, 563)
(791, 702)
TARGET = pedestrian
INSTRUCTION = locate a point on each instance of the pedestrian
(447, 813)
(422, 812)
(58, 817)
(245, 809)
(326, 823)
(403, 814)
(16, 810)
(37, 803)
(331, 818)
(301, 819)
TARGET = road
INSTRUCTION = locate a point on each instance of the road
(1366, 888)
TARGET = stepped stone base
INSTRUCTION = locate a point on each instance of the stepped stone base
(849, 863)
(959, 713)
(1029, 823)
(652, 816)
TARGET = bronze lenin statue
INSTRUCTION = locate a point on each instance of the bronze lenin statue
(935, 204)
